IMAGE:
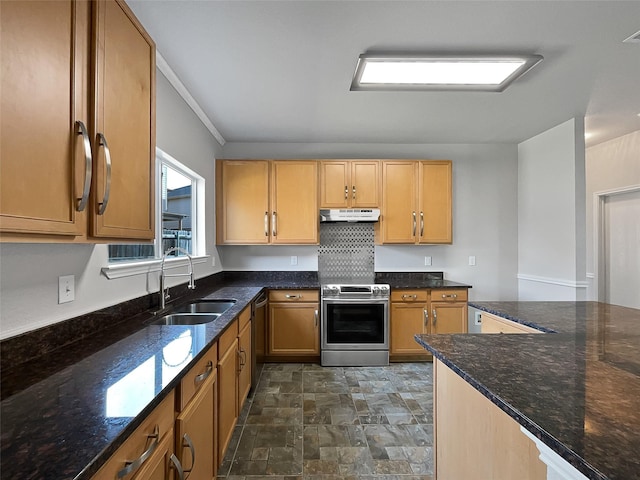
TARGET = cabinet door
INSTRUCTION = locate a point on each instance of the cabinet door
(435, 202)
(448, 317)
(227, 397)
(158, 466)
(44, 84)
(293, 329)
(407, 320)
(399, 213)
(243, 202)
(244, 374)
(195, 429)
(335, 191)
(124, 132)
(294, 202)
(365, 184)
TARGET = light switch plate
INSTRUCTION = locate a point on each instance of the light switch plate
(472, 260)
(294, 260)
(427, 261)
(66, 288)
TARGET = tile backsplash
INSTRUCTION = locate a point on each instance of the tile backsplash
(346, 251)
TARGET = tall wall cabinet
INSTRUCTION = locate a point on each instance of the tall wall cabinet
(77, 128)
(267, 201)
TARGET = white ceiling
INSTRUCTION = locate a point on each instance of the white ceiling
(280, 71)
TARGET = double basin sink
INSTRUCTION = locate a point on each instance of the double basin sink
(195, 313)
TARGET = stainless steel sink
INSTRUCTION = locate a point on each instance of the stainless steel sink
(206, 306)
(186, 319)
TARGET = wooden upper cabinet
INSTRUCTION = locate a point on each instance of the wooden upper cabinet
(416, 202)
(349, 183)
(61, 60)
(294, 202)
(267, 201)
(242, 189)
(44, 84)
(124, 106)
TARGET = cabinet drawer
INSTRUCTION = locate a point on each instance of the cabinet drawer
(449, 295)
(244, 318)
(193, 380)
(294, 295)
(418, 295)
(227, 339)
(494, 324)
(159, 422)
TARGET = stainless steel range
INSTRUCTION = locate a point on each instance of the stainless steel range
(355, 325)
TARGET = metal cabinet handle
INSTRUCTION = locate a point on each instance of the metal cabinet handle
(293, 296)
(273, 224)
(426, 317)
(453, 295)
(346, 192)
(266, 224)
(88, 166)
(435, 316)
(135, 464)
(203, 376)
(186, 442)
(421, 224)
(242, 356)
(177, 465)
(405, 296)
(102, 142)
(354, 192)
(414, 223)
(315, 316)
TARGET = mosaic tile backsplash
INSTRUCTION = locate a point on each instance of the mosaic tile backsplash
(346, 251)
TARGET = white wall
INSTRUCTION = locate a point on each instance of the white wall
(611, 165)
(29, 272)
(484, 212)
(551, 214)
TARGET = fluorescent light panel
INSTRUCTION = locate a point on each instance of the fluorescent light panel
(487, 73)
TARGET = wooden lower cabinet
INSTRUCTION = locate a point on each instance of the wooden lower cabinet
(424, 311)
(293, 324)
(474, 438)
(152, 440)
(227, 387)
(494, 324)
(244, 364)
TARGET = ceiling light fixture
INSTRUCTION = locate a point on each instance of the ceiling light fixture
(489, 73)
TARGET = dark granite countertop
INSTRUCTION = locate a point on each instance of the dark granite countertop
(577, 390)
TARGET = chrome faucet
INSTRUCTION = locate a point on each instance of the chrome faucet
(192, 284)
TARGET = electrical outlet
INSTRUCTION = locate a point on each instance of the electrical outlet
(427, 261)
(294, 260)
(66, 289)
(472, 260)
(213, 261)
(477, 319)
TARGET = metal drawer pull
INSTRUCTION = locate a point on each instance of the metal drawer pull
(421, 224)
(135, 464)
(273, 224)
(177, 465)
(88, 162)
(186, 442)
(266, 224)
(315, 316)
(435, 316)
(346, 192)
(107, 189)
(293, 296)
(405, 296)
(426, 317)
(452, 295)
(414, 223)
(203, 376)
(354, 192)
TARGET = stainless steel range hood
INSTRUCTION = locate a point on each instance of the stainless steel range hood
(352, 215)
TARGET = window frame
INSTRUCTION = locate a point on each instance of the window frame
(198, 244)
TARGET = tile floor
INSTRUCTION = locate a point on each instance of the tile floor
(322, 423)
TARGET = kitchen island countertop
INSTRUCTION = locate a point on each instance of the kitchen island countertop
(577, 390)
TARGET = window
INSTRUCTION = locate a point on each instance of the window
(179, 207)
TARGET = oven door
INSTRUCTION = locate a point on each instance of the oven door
(355, 324)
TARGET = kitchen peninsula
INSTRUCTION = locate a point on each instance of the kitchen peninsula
(576, 390)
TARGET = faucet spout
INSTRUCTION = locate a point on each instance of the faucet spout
(192, 284)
